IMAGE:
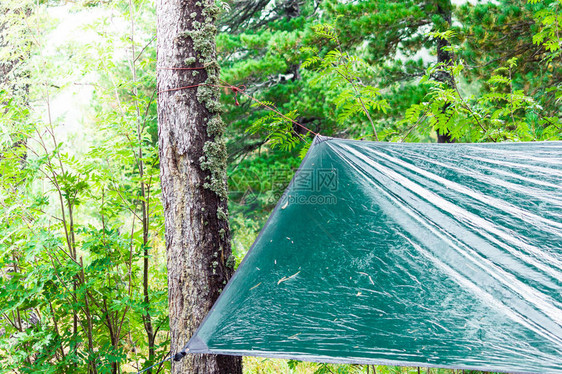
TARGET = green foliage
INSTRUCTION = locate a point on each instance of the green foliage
(549, 19)
(345, 74)
(78, 224)
(493, 33)
(500, 113)
(277, 127)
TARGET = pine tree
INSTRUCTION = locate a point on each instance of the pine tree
(396, 38)
(193, 175)
(495, 32)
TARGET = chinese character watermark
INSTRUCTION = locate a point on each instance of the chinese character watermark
(309, 186)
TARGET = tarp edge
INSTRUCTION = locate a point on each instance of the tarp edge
(356, 361)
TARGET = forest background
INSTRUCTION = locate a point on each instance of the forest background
(82, 255)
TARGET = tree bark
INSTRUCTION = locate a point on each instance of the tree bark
(193, 175)
(445, 56)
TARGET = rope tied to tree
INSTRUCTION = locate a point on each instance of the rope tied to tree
(235, 91)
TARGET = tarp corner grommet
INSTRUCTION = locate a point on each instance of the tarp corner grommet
(320, 139)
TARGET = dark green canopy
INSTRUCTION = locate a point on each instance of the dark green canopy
(445, 255)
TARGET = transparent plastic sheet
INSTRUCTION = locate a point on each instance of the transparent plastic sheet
(446, 255)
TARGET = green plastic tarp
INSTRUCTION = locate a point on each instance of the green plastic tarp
(441, 255)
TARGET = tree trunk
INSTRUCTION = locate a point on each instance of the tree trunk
(444, 56)
(193, 175)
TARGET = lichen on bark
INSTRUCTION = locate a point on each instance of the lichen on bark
(221, 214)
(213, 161)
(214, 150)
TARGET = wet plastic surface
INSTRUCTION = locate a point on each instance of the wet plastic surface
(445, 255)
